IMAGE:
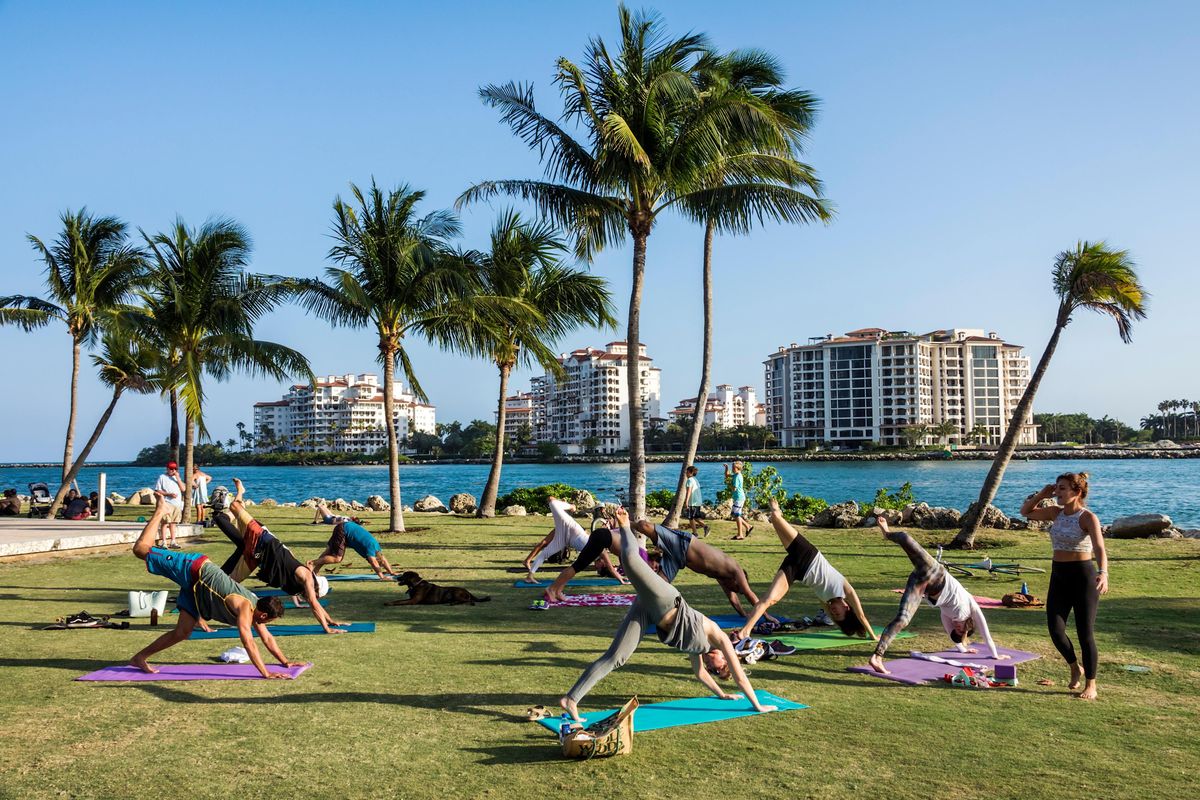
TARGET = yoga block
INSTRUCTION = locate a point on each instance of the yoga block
(1006, 672)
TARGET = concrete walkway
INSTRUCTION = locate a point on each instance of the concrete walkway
(22, 535)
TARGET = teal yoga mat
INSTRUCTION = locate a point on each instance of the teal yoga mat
(825, 639)
(284, 630)
(689, 711)
(523, 584)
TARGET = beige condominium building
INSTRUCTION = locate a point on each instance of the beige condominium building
(588, 408)
(724, 408)
(872, 385)
(339, 413)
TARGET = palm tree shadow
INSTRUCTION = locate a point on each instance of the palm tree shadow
(504, 754)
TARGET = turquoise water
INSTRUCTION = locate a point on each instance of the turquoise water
(1119, 487)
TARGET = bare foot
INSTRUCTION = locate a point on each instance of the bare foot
(572, 708)
(883, 525)
(141, 663)
(1076, 676)
(1089, 691)
(876, 663)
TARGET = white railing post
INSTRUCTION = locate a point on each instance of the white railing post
(103, 499)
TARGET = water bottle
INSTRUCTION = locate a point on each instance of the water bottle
(564, 727)
(1024, 587)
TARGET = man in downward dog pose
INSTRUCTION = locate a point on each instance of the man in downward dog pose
(679, 549)
(806, 564)
(257, 548)
(205, 592)
(961, 615)
(567, 533)
(679, 626)
(361, 541)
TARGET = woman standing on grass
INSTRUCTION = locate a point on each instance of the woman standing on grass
(1075, 582)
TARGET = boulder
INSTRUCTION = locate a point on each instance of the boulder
(906, 514)
(247, 502)
(339, 504)
(268, 502)
(310, 503)
(463, 503)
(1139, 526)
(405, 509)
(116, 498)
(656, 513)
(430, 503)
(842, 515)
(287, 505)
(890, 515)
(142, 497)
(377, 503)
(584, 501)
(723, 509)
(992, 517)
(935, 518)
(1189, 533)
(357, 506)
(515, 511)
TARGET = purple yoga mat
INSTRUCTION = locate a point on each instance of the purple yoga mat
(916, 671)
(190, 672)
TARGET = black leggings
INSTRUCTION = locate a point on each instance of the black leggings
(1073, 588)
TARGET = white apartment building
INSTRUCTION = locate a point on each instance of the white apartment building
(591, 401)
(724, 408)
(340, 413)
(871, 384)
(519, 409)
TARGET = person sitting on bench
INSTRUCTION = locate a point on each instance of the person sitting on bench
(258, 548)
(361, 541)
(10, 506)
(805, 563)
(205, 592)
(961, 615)
(678, 624)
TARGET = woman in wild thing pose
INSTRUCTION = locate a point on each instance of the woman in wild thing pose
(1076, 583)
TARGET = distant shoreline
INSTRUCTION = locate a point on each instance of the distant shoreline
(1038, 454)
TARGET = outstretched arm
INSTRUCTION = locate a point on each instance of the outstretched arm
(735, 667)
(145, 540)
(856, 606)
(702, 674)
(246, 634)
(1091, 525)
(1030, 510)
(272, 646)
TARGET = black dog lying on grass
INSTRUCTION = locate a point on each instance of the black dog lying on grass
(423, 593)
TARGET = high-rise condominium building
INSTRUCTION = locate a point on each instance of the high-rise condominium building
(588, 409)
(340, 413)
(874, 385)
(724, 408)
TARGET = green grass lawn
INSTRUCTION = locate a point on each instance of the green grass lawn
(432, 704)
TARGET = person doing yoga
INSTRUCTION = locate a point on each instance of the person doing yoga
(678, 624)
(961, 615)
(258, 548)
(205, 592)
(361, 541)
(567, 533)
(1076, 583)
(806, 564)
(679, 549)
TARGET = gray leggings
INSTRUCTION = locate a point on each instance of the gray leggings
(655, 597)
(928, 576)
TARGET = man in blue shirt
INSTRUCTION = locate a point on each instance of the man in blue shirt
(361, 541)
(739, 500)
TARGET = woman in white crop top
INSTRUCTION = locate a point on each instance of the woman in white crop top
(1076, 583)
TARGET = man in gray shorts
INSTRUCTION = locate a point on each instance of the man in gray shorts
(679, 626)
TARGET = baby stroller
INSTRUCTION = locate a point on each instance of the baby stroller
(40, 500)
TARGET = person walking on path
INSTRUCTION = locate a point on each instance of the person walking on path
(693, 500)
(170, 488)
(738, 512)
(1076, 582)
(678, 625)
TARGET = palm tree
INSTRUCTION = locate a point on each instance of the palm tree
(200, 308)
(646, 151)
(394, 272)
(544, 301)
(125, 364)
(1092, 277)
(944, 430)
(979, 433)
(759, 156)
(91, 269)
(915, 433)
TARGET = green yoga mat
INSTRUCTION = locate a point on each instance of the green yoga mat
(689, 711)
(523, 584)
(824, 639)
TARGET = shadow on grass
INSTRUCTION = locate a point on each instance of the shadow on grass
(535, 752)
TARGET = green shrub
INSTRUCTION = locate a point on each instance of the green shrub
(802, 508)
(660, 498)
(883, 499)
(536, 498)
(761, 487)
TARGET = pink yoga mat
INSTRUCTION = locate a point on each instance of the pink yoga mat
(915, 671)
(190, 672)
(586, 600)
(984, 602)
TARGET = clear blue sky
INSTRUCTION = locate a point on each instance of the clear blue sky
(963, 143)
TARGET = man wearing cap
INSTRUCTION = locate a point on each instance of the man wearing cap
(170, 488)
(258, 548)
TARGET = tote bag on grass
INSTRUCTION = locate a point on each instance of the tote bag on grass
(140, 603)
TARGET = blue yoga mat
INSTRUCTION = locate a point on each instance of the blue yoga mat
(523, 584)
(690, 711)
(284, 630)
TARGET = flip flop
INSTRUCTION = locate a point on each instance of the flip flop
(534, 713)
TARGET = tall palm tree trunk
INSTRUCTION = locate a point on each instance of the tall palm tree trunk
(637, 441)
(173, 442)
(189, 457)
(487, 503)
(69, 446)
(83, 455)
(396, 525)
(991, 484)
(697, 422)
